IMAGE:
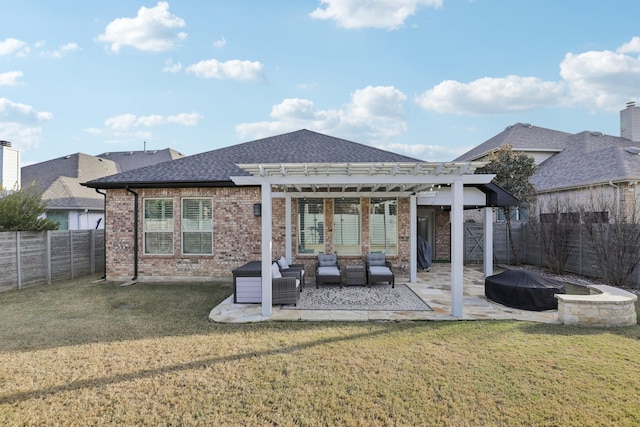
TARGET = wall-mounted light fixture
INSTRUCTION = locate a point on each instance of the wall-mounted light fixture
(257, 209)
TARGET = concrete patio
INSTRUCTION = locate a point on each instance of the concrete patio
(434, 287)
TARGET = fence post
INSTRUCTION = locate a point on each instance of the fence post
(71, 252)
(92, 259)
(48, 257)
(18, 261)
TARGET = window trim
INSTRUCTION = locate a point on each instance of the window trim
(320, 235)
(336, 246)
(182, 230)
(373, 200)
(144, 227)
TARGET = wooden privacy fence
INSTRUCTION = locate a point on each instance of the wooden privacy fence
(582, 259)
(474, 242)
(32, 258)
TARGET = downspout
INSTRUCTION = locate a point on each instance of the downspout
(104, 277)
(135, 236)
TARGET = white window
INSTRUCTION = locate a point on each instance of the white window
(197, 226)
(346, 226)
(310, 226)
(158, 226)
(383, 226)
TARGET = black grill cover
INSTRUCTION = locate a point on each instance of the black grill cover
(523, 289)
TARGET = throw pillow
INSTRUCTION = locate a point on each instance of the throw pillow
(275, 271)
(282, 262)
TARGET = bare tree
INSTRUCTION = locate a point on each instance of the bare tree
(554, 221)
(614, 231)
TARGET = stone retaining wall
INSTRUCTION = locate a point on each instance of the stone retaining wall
(606, 306)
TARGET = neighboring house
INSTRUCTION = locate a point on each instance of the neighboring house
(575, 166)
(72, 205)
(293, 195)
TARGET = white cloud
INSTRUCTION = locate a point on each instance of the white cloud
(62, 50)
(632, 46)
(11, 46)
(430, 153)
(233, 70)
(185, 119)
(172, 67)
(373, 111)
(601, 79)
(594, 79)
(153, 30)
(491, 95)
(10, 78)
(353, 14)
(125, 122)
(219, 44)
(21, 123)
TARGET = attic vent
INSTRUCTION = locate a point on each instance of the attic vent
(527, 125)
(631, 104)
(597, 134)
(5, 144)
(633, 150)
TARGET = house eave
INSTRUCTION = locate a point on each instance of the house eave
(157, 184)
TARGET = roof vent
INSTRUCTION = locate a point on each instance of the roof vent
(631, 104)
(527, 125)
(597, 133)
(5, 144)
(508, 127)
(633, 150)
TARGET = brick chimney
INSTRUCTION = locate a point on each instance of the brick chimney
(630, 122)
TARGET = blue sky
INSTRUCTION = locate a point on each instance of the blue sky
(425, 78)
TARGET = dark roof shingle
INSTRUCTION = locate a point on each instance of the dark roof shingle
(218, 166)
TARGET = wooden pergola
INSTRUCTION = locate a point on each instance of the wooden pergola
(413, 180)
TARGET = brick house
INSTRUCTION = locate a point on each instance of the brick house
(577, 168)
(293, 195)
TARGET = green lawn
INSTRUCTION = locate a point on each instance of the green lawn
(78, 353)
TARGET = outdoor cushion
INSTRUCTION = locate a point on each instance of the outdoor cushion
(380, 271)
(275, 271)
(328, 271)
(327, 260)
(376, 259)
(282, 262)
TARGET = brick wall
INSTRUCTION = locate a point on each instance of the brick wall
(443, 235)
(237, 235)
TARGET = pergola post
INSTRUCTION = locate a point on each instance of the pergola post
(488, 241)
(413, 239)
(267, 213)
(287, 220)
(457, 248)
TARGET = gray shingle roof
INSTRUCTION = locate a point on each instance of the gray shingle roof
(588, 158)
(59, 180)
(129, 160)
(583, 159)
(522, 137)
(217, 166)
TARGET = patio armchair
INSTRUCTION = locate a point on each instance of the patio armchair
(284, 289)
(292, 270)
(379, 269)
(328, 270)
